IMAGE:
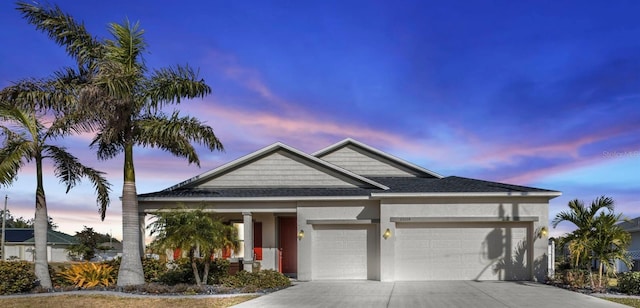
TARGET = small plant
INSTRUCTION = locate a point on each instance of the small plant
(575, 278)
(89, 275)
(629, 283)
(16, 277)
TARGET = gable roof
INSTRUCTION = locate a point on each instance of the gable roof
(25, 235)
(369, 157)
(402, 180)
(341, 175)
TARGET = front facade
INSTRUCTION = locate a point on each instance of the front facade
(350, 211)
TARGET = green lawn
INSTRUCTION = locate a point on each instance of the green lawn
(633, 302)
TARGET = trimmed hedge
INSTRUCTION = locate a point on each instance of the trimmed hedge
(182, 273)
(16, 277)
(261, 280)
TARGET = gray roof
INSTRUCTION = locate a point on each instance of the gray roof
(451, 184)
(632, 225)
(423, 181)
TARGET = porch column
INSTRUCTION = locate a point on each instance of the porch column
(248, 241)
(143, 228)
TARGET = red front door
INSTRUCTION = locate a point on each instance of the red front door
(288, 244)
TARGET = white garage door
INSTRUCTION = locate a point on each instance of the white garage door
(341, 251)
(461, 251)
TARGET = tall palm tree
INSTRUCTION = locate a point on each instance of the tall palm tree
(583, 218)
(195, 232)
(123, 102)
(26, 139)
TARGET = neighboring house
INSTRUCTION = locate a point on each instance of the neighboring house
(633, 227)
(108, 251)
(19, 244)
(351, 211)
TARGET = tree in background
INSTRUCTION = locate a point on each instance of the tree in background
(88, 242)
(22, 223)
(195, 232)
(26, 139)
(121, 100)
(597, 236)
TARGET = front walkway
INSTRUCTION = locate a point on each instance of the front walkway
(372, 294)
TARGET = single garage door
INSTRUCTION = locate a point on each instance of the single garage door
(343, 252)
(462, 251)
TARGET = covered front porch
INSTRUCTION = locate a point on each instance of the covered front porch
(267, 233)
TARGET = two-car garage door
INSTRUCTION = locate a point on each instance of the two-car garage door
(462, 251)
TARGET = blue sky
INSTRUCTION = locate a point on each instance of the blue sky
(543, 93)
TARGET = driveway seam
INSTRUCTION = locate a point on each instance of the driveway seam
(393, 287)
(469, 283)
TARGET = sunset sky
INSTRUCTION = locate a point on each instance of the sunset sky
(536, 93)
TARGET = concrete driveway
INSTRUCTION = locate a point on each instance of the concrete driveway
(372, 294)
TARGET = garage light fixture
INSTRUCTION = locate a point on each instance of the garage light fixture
(544, 232)
(301, 234)
(386, 234)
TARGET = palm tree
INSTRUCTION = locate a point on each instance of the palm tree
(123, 102)
(195, 232)
(27, 140)
(583, 218)
(610, 242)
(598, 236)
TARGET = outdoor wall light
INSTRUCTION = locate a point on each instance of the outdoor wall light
(301, 234)
(544, 231)
(386, 234)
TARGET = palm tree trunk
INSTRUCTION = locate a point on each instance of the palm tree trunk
(130, 272)
(600, 273)
(207, 266)
(194, 267)
(40, 227)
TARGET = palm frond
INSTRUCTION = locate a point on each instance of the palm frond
(64, 30)
(70, 171)
(15, 152)
(108, 145)
(175, 135)
(127, 46)
(170, 85)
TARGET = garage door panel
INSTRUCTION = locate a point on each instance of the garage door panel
(342, 251)
(461, 251)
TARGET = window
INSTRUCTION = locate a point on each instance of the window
(239, 252)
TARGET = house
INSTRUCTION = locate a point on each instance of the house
(350, 211)
(19, 244)
(633, 227)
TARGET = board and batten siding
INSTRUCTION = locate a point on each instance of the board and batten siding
(277, 170)
(362, 164)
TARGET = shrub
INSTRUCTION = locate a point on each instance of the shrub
(629, 282)
(219, 269)
(575, 278)
(251, 282)
(88, 275)
(153, 269)
(180, 272)
(16, 277)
